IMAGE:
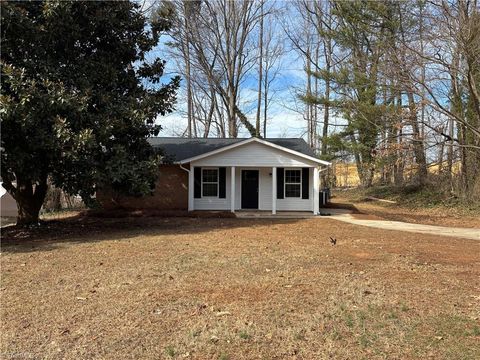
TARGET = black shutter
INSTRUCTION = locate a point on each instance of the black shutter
(222, 182)
(305, 185)
(280, 182)
(197, 188)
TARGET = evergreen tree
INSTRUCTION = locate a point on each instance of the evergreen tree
(79, 99)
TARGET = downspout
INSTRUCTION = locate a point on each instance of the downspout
(181, 167)
(190, 183)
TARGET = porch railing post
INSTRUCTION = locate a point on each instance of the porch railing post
(274, 190)
(232, 189)
(316, 191)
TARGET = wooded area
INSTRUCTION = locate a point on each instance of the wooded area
(392, 86)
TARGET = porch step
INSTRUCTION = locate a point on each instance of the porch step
(278, 215)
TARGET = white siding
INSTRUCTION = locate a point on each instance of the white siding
(264, 194)
(254, 155)
(211, 203)
(298, 204)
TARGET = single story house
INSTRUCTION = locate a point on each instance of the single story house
(232, 174)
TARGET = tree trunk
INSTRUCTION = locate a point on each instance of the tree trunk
(260, 75)
(418, 147)
(186, 55)
(441, 152)
(464, 173)
(232, 123)
(326, 113)
(328, 53)
(28, 211)
(265, 104)
(309, 97)
(450, 153)
(29, 200)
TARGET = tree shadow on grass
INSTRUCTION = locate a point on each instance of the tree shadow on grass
(52, 234)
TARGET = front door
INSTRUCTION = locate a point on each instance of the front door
(249, 189)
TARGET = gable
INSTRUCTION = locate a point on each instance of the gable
(253, 154)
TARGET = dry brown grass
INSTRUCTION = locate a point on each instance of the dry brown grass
(150, 288)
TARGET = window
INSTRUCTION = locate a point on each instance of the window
(293, 183)
(210, 182)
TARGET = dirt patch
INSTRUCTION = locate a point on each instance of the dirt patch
(236, 289)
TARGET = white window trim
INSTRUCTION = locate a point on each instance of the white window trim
(207, 182)
(285, 183)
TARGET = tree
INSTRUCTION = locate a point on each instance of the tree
(79, 99)
(260, 73)
(449, 85)
(222, 51)
(273, 50)
(361, 35)
(315, 42)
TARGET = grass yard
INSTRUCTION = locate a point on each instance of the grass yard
(150, 288)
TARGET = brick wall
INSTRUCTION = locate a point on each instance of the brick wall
(171, 193)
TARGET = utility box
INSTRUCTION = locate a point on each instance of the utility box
(324, 196)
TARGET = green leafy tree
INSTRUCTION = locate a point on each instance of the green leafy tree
(78, 99)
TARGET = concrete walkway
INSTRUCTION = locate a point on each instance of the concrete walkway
(465, 233)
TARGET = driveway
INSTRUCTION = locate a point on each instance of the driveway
(465, 233)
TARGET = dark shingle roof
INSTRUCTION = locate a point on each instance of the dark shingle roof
(177, 149)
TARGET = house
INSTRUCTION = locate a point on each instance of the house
(8, 205)
(231, 175)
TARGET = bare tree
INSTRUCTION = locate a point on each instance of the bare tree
(260, 72)
(223, 31)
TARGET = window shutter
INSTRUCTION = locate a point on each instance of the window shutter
(280, 181)
(197, 188)
(222, 182)
(305, 184)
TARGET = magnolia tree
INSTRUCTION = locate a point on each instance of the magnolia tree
(79, 99)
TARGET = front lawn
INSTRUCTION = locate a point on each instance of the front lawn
(149, 288)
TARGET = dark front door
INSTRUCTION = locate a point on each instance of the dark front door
(249, 189)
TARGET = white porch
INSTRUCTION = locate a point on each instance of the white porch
(266, 195)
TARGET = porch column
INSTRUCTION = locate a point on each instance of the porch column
(316, 190)
(232, 189)
(191, 185)
(274, 190)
